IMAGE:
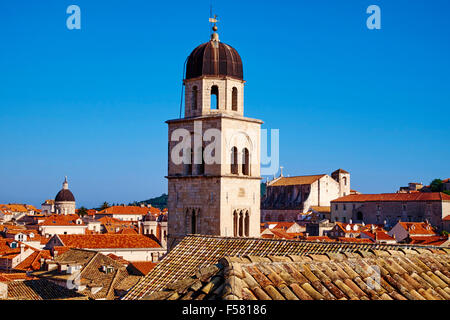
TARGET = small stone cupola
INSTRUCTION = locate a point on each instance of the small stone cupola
(214, 80)
(64, 200)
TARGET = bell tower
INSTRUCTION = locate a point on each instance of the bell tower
(214, 150)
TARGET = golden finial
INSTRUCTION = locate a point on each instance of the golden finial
(214, 20)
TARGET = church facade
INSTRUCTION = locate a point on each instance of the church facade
(214, 150)
(288, 197)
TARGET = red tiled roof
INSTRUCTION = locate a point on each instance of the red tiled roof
(103, 241)
(32, 262)
(319, 238)
(416, 196)
(7, 277)
(417, 228)
(446, 218)
(130, 210)
(355, 240)
(118, 259)
(378, 235)
(62, 220)
(429, 240)
(143, 267)
(290, 181)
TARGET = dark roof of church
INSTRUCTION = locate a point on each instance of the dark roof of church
(65, 195)
(197, 251)
(214, 58)
(340, 171)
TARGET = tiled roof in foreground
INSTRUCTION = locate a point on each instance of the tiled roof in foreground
(195, 252)
(417, 274)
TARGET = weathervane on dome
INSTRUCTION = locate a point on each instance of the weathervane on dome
(214, 36)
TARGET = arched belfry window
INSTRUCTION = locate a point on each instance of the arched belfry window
(235, 223)
(194, 97)
(193, 222)
(214, 97)
(234, 160)
(234, 99)
(345, 181)
(245, 162)
(246, 224)
(241, 224)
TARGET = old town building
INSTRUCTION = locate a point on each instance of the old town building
(287, 197)
(214, 165)
(389, 208)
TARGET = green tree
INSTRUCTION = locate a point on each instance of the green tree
(104, 206)
(436, 185)
(82, 212)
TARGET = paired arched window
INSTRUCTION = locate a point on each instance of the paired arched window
(245, 162)
(234, 99)
(241, 223)
(214, 97)
(194, 97)
(234, 160)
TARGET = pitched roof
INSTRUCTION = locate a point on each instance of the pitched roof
(321, 208)
(129, 210)
(378, 235)
(142, 267)
(403, 275)
(32, 262)
(98, 284)
(402, 197)
(40, 289)
(291, 181)
(446, 218)
(418, 228)
(104, 241)
(340, 171)
(62, 220)
(195, 251)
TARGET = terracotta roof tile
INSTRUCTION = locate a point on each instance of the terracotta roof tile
(102, 241)
(298, 180)
(185, 259)
(352, 278)
(402, 197)
(130, 210)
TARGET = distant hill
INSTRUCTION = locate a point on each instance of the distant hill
(158, 202)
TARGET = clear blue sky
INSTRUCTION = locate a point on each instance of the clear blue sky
(91, 103)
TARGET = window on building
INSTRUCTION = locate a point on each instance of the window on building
(247, 224)
(235, 223)
(245, 162)
(193, 222)
(234, 160)
(344, 206)
(241, 224)
(214, 97)
(336, 207)
(234, 99)
(345, 181)
(344, 219)
(359, 216)
(194, 97)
